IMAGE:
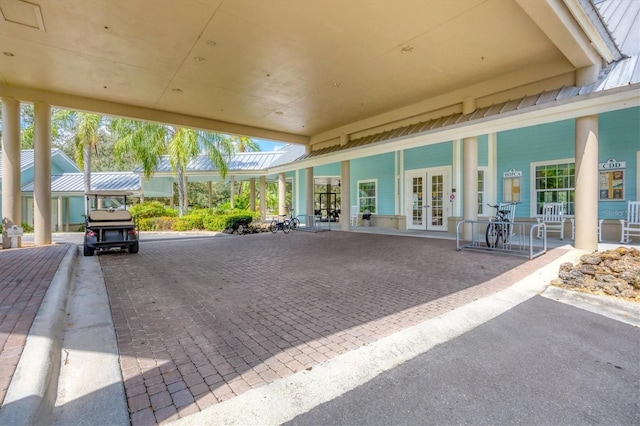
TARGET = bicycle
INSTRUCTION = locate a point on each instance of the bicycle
(276, 224)
(499, 228)
(294, 222)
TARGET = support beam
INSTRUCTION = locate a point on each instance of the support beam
(470, 184)
(252, 194)
(42, 174)
(282, 194)
(11, 202)
(345, 195)
(59, 224)
(309, 186)
(263, 198)
(586, 208)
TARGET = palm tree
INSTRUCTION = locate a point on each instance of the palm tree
(86, 141)
(148, 142)
(243, 144)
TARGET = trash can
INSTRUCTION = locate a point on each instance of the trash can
(366, 217)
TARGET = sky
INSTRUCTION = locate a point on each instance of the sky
(266, 145)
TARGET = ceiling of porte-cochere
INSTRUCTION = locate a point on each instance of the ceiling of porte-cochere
(296, 71)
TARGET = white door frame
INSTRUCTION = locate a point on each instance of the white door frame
(427, 173)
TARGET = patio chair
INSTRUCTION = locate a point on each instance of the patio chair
(353, 217)
(553, 218)
(631, 225)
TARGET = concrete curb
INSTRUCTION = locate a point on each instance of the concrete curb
(610, 307)
(32, 391)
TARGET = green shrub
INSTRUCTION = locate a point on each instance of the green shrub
(151, 209)
(189, 222)
(228, 221)
(156, 223)
(26, 227)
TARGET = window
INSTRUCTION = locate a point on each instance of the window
(368, 195)
(555, 183)
(480, 192)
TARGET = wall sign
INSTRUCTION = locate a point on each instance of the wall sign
(611, 180)
(511, 186)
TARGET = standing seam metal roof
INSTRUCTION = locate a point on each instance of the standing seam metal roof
(100, 181)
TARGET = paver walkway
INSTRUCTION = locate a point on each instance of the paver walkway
(25, 275)
(199, 322)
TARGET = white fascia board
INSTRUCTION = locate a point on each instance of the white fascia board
(598, 43)
(615, 99)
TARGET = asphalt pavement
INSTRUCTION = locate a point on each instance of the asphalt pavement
(540, 363)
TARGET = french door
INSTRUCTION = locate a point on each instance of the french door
(428, 205)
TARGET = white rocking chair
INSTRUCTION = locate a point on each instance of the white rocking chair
(631, 225)
(553, 218)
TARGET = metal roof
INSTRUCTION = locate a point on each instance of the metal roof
(100, 181)
(27, 158)
(619, 74)
(239, 162)
(622, 18)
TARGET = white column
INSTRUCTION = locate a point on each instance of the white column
(282, 194)
(232, 191)
(59, 227)
(42, 174)
(586, 208)
(470, 184)
(66, 214)
(263, 198)
(11, 202)
(345, 195)
(252, 194)
(308, 184)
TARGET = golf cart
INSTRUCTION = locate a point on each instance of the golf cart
(108, 223)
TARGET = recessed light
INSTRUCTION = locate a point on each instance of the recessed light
(176, 90)
(336, 84)
(211, 43)
(406, 49)
(199, 59)
(9, 54)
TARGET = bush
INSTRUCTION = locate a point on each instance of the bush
(151, 209)
(156, 223)
(228, 221)
(189, 222)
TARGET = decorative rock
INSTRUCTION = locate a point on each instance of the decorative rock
(591, 259)
(614, 272)
(587, 268)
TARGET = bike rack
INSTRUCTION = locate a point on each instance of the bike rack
(311, 223)
(521, 242)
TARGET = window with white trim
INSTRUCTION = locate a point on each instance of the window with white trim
(481, 189)
(555, 183)
(368, 195)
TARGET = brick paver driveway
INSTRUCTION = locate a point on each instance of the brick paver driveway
(200, 321)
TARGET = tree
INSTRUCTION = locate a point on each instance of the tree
(244, 144)
(148, 142)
